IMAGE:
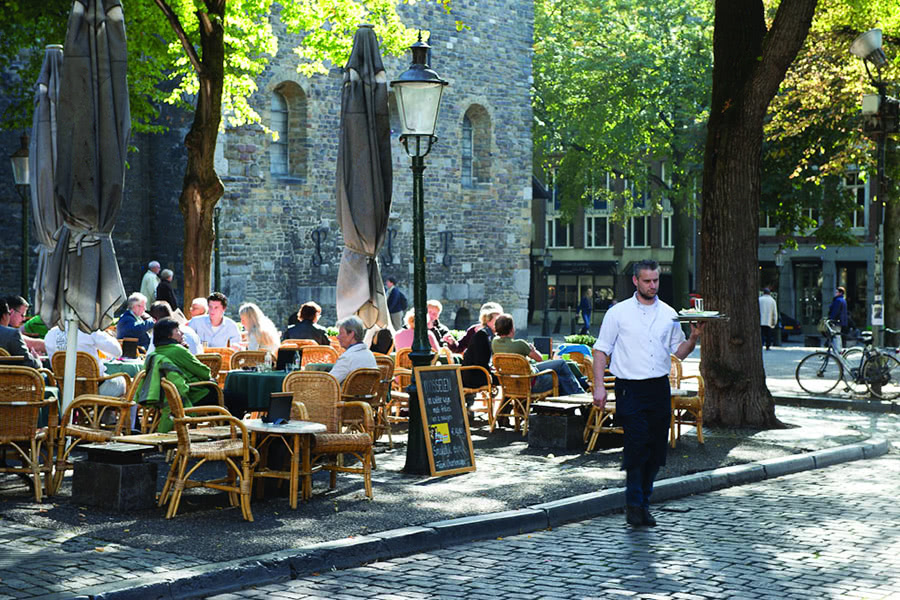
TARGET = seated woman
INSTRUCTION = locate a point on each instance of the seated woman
(479, 350)
(172, 360)
(404, 337)
(307, 327)
(261, 332)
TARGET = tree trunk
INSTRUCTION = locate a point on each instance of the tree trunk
(891, 198)
(681, 256)
(749, 64)
(202, 187)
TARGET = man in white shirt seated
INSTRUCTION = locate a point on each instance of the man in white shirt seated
(215, 329)
(162, 310)
(351, 332)
(90, 343)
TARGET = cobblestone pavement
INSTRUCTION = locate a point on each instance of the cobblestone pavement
(828, 533)
(67, 562)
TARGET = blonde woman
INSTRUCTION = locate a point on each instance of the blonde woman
(404, 337)
(261, 332)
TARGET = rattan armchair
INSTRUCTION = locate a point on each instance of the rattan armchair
(316, 397)
(585, 365)
(686, 410)
(237, 482)
(4, 352)
(360, 385)
(225, 353)
(386, 366)
(484, 394)
(21, 400)
(87, 373)
(601, 421)
(248, 358)
(213, 361)
(514, 373)
(89, 418)
(292, 343)
(318, 354)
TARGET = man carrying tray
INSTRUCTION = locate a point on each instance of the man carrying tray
(639, 334)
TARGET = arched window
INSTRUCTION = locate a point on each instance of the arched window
(288, 155)
(475, 147)
(278, 164)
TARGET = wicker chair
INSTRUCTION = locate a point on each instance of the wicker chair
(239, 480)
(87, 373)
(21, 400)
(360, 385)
(386, 366)
(334, 343)
(87, 419)
(585, 365)
(514, 373)
(131, 348)
(213, 361)
(686, 410)
(297, 343)
(248, 358)
(225, 353)
(3, 352)
(316, 397)
(484, 394)
(601, 421)
(318, 354)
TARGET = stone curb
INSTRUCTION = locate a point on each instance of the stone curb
(219, 578)
(807, 401)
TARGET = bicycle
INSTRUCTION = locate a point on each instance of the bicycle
(878, 372)
(854, 354)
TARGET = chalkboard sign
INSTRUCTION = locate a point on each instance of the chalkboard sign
(443, 408)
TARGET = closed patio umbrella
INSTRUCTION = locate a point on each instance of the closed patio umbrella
(364, 180)
(42, 155)
(82, 282)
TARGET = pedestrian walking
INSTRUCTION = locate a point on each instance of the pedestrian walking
(838, 312)
(768, 317)
(396, 303)
(150, 281)
(585, 308)
(639, 334)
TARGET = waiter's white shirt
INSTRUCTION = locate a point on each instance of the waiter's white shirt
(56, 341)
(639, 338)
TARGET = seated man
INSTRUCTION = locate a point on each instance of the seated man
(92, 343)
(18, 309)
(170, 359)
(161, 310)
(504, 343)
(306, 327)
(11, 340)
(356, 356)
(135, 322)
(215, 329)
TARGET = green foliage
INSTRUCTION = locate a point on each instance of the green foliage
(813, 130)
(618, 82)
(587, 340)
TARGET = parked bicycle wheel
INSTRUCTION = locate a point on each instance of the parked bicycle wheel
(853, 358)
(882, 375)
(819, 373)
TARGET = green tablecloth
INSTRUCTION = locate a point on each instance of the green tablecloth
(324, 367)
(131, 367)
(256, 387)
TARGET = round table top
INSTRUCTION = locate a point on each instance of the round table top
(289, 427)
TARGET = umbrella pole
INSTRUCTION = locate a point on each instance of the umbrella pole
(71, 358)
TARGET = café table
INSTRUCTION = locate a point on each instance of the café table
(295, 435)
(124, 365)
(257, 387)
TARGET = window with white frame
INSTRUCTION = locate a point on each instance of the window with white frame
(278, 161)
(288, 155)
(467, 152)
(598, 231)
(559, 234)
(766, 224)
(637, 229)
(475, 155)
(666, 224)
(855, 182)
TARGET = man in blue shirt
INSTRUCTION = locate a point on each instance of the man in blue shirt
(838, 312)
(135, 322)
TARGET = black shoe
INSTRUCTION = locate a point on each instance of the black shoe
(647, 518)
(634, 516)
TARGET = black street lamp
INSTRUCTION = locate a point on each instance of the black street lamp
(548, 262)
(21, 176)
(418, 91)
(881, 114)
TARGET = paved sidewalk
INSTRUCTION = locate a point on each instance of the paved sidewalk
(208, 546)
(820, 534)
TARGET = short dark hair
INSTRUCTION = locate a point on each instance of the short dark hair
(163, 329)
(4, 307)
(645, 265)
(160, 310)
(218, 297)
(392, 279)
(14, 302)
(504, 324)
(308, 311)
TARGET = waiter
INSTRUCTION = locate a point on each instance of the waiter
(639, 334)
